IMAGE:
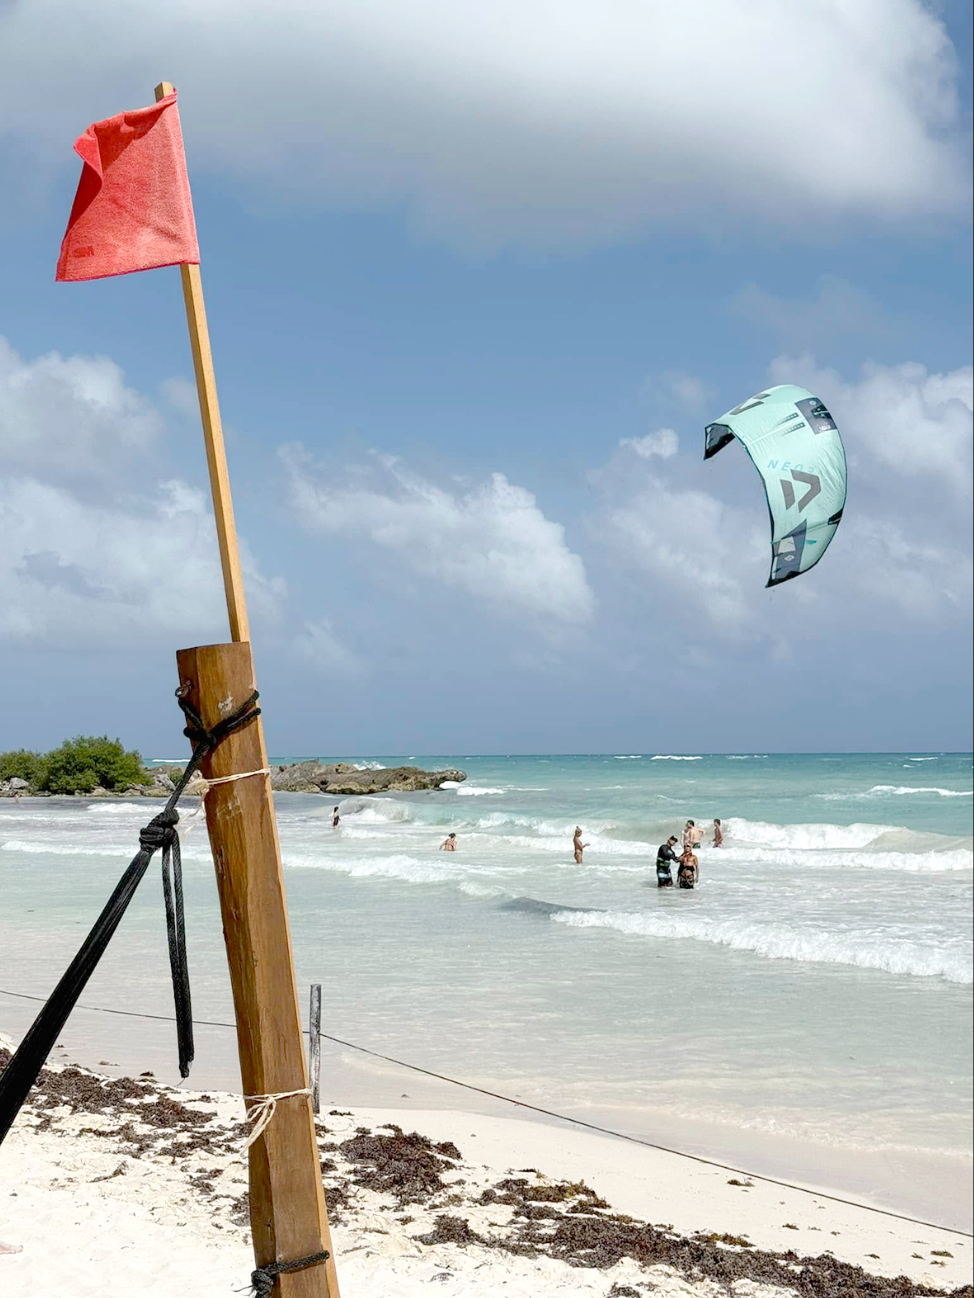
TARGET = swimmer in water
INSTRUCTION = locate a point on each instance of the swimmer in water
(449, 843)
(577, 845)
(689, 871)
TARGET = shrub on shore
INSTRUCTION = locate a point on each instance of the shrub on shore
(79, 765)
(22, 764)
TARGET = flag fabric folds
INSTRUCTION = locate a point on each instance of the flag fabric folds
(133, 210)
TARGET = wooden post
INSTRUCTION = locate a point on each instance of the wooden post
(216, 458)
(314, 1047)
(288, 1217)
(287, 1206)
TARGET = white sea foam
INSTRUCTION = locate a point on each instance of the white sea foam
(671, 757)
(931, 862)
(899, 791)
(890, 791)
(630, 757)
(747, 757)
(780, 942)
(397, 865)
(116, 850)
(471, 791)
(803, 836)
(375, 811)
(924, 759)
(370, 766)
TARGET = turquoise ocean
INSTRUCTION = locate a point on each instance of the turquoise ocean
(809, 1004)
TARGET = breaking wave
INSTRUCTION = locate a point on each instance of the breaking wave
(860, 949)
(672, 757)
(894, 791)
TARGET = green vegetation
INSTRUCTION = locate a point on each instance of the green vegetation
(78, 766)
(21, 764)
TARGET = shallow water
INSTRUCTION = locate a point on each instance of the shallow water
(815, 986)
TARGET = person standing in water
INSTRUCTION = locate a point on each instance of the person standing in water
(449, 843)
(718, 834)
(689, 871)
(577, 845)
(665, 856)
(335, 818)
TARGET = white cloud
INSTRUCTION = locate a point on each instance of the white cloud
(687, 392)
(827, 310)
(89, 557)
(663, 443)
(522, 120)
(703, 554)
(701, 557)
(911, 421)
(490, 540)
(318, 644)
(70, 415)
(181, 395)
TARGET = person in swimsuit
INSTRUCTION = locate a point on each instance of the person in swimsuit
(718, 834)
(665, 857)
(689, 870)
(449, 843)
(577, 845)
(335, 818)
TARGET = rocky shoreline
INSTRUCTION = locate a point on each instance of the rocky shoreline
(337, 779)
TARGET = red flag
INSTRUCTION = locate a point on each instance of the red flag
(133, 209)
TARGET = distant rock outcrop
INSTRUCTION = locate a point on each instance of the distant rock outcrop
(343, 778)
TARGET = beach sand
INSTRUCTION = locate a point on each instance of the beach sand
(118, 1188)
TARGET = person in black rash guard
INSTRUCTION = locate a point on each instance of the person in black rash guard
(665, 857)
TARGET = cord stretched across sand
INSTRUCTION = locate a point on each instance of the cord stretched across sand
(548, 1113)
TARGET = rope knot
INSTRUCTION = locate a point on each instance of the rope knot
(262, 1280)
(160, 831)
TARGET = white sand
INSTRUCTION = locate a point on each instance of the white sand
(93, 1218)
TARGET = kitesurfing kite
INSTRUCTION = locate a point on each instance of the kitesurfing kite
(795, 445)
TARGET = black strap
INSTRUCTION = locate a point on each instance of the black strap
(160, 833)
(265, 1277)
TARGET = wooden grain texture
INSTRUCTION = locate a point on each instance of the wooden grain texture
(216, 458)
(287, 1206)
(314, 1046)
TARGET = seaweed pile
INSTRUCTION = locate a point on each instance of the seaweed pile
(425, 1185)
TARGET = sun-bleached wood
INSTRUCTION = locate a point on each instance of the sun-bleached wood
(287, 1204)
(216, 458)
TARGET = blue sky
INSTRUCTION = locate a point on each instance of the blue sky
(476, 280)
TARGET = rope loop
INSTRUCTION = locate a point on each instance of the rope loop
(262, 1280)
(203, 740)
(262, 1110)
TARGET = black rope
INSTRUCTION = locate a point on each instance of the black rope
(160, 834)
(262, 1280)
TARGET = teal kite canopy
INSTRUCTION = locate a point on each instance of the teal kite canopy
(795, 445)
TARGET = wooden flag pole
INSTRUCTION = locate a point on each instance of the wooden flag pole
(216, 457)
(288, 1217)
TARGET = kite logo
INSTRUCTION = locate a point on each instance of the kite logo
(811, 481)
(751, 403)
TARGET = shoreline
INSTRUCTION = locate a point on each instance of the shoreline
(934, 1188)
(96, 1171)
